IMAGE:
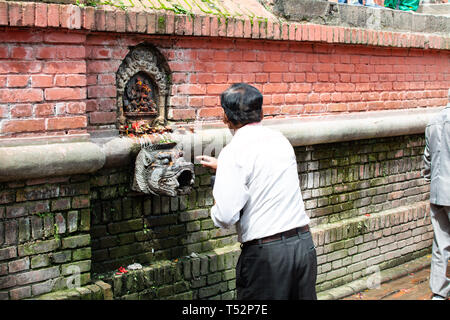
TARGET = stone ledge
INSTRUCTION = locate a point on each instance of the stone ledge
(386, 276)
(163, 22)
(38, 161)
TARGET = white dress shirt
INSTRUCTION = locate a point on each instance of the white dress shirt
(257, 172)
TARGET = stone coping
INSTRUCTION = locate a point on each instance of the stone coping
(164, 22)
(383, 19)
(30, 161)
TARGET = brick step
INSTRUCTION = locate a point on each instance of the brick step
(96, 291)
(385, 276)
(357, 248)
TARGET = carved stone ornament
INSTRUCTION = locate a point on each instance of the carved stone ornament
(142, 86)
(161, 169)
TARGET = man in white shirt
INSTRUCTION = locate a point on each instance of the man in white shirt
(257, 188)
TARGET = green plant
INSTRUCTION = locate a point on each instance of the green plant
(56, 236)
(96, 3)
(43, 214)
(165, 140)
(145, 229)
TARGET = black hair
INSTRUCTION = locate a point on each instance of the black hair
(242, 103)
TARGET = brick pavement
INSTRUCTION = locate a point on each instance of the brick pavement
(413, 286)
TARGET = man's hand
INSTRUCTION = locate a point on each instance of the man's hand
(207, 161)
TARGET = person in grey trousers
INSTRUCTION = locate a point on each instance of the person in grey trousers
(437, 171)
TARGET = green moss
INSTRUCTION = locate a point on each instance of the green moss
(161, 23)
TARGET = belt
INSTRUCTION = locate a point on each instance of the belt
(278, 236)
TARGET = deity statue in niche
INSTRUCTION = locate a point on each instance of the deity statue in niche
(139, 96)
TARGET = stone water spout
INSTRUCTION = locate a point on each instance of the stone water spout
(161, 169)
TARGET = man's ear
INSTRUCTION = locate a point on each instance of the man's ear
(225, 120)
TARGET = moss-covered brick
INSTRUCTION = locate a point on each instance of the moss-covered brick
(126, 250)
(76, 267)
(8, 253)
(72, 221)
(80, 202)
(48, 225)
(127, 208)
(85, 220)
(61, 256)
(37, 275)
(108, 193)
(193, 215)
(164, 291)
(76, 241)
(24, 233)
(193, 226)
(105, 289)
(167, 219)
(60, 204)
(118, 178)
(40, 261)
(38, 247)
(180, 287)
(40, 192)
(85, 294)
(74, 189)
(212, 290)
(229, 274)
(125, 226)
(81, 254)
(60, 223)
(7, 196)
(174, 204)
(214, 278)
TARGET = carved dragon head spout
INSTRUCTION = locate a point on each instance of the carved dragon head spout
(162, 170)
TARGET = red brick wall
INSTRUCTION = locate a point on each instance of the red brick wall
(42, 83)
(59, 82)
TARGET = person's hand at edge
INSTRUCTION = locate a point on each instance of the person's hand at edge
(207, 161)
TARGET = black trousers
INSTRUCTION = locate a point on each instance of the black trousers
(279, 270)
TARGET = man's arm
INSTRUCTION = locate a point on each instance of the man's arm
(230, 192)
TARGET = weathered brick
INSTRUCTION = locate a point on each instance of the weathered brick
(40, 261)
(105, 289)
(24, 230)
(60, 223)
(60, 204)
(80, 202)
(8, 253)
(76, 267)
(125, 226)
(19, 265)
(76, 241)
(11, 232)
(20, 293)
(61, 256)
(37, 275)
(7, 281)
(38, 247)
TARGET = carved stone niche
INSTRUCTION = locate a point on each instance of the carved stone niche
(142, 87)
